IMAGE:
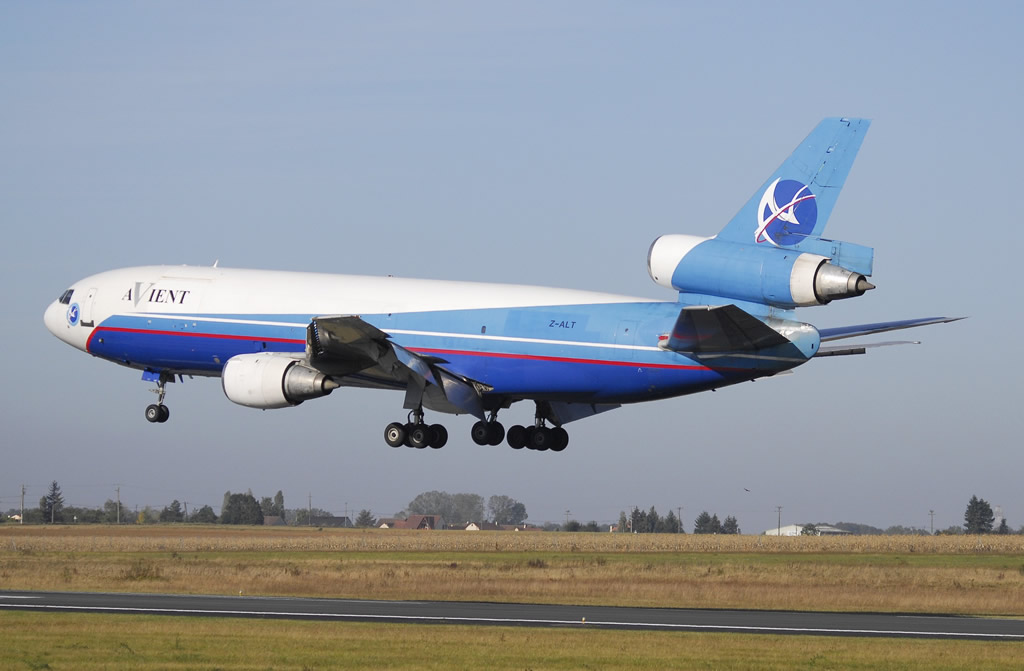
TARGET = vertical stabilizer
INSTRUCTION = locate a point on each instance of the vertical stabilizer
(795, 202)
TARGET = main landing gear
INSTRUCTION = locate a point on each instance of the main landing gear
(415, 433)
(157, 413)
(538, 437)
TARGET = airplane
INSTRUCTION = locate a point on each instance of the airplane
(277, 339)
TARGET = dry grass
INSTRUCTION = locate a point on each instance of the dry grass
(975, 575)
(87, 642)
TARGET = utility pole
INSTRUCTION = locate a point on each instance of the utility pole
(778, 509)
(931, 514)
(186, 510)
(679, 514)
(309, 515)
(119, 504)
(567, 513)
(22, 520)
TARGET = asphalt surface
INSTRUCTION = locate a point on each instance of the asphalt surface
(529, 615)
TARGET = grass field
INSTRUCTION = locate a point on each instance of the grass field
(86, 642)
(967, 575)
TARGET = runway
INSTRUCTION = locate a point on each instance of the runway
(529, 615)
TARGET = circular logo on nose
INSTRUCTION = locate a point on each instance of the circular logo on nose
(73, 314)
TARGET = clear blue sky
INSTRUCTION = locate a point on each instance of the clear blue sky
(544, 143)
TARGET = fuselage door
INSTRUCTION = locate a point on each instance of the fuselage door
(86, 318)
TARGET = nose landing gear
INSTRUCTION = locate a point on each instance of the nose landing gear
(158, 413)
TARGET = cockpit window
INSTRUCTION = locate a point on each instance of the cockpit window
(65, 297)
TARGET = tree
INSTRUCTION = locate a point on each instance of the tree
(637, 521)
(706, 524)
(365, 519)
(204, 515)
(52, 505)
(653, 520)
(572, 525)
(669, 523)
(279, 506)
(809, 530)
(172, 513)
(978, 518)
(622, 522)
(730, 525)
(1003, 527)
(506, 510)
(242, 509)
(452, 508)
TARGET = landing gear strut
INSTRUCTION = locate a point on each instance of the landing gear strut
(415, 433)
(158, 413)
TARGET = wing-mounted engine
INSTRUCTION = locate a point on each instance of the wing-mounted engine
(273, 380)
(819, 272)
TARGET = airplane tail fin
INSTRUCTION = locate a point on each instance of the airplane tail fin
(795, 202)
(752, 259)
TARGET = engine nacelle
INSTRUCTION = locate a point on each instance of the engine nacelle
(776, 276)
(272, 380)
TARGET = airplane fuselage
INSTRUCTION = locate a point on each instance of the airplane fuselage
(525, 341)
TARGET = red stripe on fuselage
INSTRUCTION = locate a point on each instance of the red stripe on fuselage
(223, 336)
(556, 359)
(418, 350)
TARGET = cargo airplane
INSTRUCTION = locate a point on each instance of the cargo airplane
(277, 339)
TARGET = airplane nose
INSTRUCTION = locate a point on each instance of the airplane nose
(55, 319)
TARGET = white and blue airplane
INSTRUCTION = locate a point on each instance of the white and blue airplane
(277, 339)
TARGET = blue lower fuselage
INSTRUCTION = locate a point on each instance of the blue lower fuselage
(605, 353)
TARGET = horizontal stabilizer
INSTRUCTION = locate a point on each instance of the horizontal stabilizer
(881, 327)
(722, 328)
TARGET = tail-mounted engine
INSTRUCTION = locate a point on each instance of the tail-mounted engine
(777, 276)
(272, 380)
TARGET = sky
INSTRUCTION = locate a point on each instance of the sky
(537, 143)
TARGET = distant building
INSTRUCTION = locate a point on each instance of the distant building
(798, 530)
(331, 521)
(273, 521)
(412, 522)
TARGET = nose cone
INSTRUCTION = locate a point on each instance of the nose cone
(58, 319)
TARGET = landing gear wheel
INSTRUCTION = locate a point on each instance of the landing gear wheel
(481, 433)
(559, 439)
(495, 433)
(438, 436)
(395, 434)
(153, 413)
(419, 436)
(165, 413)
(540, 438)
(517, 437)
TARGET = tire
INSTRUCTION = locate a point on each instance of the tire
(517, 437)
(540, 439)
(409, 426)
(165, 413)
(394, 434)
(559, 439)
(153, 413)
(438, 436)
(481, 433)
(420, 436)
(495, 433)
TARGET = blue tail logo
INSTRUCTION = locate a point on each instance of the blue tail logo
(787, 215)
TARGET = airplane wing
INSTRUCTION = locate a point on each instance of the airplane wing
(721, 328)
(345, 345)
(881, 327)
